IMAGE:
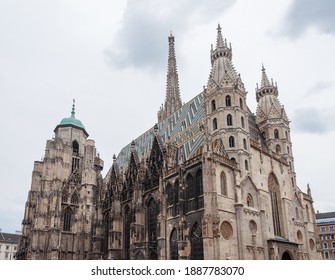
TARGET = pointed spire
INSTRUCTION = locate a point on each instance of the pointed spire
(219, 38)
(172, 100)
(264, 81)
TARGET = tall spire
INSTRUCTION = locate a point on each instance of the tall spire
(219, 38)
(172, 100)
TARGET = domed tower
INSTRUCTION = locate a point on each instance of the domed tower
(225, 102)
(60, 213)
(273, 122)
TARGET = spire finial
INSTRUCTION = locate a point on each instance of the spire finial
(219, 39)
(265, 80)
(73, 112)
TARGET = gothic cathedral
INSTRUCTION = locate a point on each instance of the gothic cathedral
(210, 180)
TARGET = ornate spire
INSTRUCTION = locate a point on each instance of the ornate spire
(172, 100)
(269, 106)
(266, 87)
(264, 81)
(219, 39)
(223, 69)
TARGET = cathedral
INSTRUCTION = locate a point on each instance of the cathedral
(210, 180)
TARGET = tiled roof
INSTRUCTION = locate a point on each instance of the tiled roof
(190, 119)
(9, 237)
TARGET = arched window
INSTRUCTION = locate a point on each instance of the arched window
(176, 198)
(246, 165)
(106, 225)
(228, 101)
(276, 134)
(229, 120)
(65, 195)
(333, 244)
(213, 105)
(242, 122)
(152, 213)
(278, 149)
(275, 203)
(67, 219)
(263, 135)
(288, 149)
(250, 200)
(215, 124)
(223, 184)
(286, 135)
(75, 198)
(75, 148)
(197, 251)
(173, 245)
(325, 245)
(75, 156)
(199, 200)
(126, 235)
(170, 194)
(231, 142)
(190, 192)
(241, 103)
(244, 144)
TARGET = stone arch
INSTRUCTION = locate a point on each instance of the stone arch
(195, 237)
(127, 220)
(67, 218)
(152, 227)
(174, 245)
(275, 198)
(287, 256)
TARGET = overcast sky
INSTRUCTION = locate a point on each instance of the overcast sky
(111, 56)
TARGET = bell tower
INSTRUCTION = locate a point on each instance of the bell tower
(225, 102)
(273, 122)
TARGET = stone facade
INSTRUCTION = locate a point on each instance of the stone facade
(211, 180)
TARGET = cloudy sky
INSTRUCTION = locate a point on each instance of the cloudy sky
(111, 56)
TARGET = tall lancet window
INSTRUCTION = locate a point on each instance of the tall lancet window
(275, 203)
(228, 101)
(67, 219)
(174, 245)
(223, 183)
(229, 120)
(197, 250)
(152, 219)
(213, 105)
(126, 236)
(75, 156)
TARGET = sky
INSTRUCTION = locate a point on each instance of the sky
(111, 57)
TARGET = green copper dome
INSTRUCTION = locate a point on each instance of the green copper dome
(72, 121)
